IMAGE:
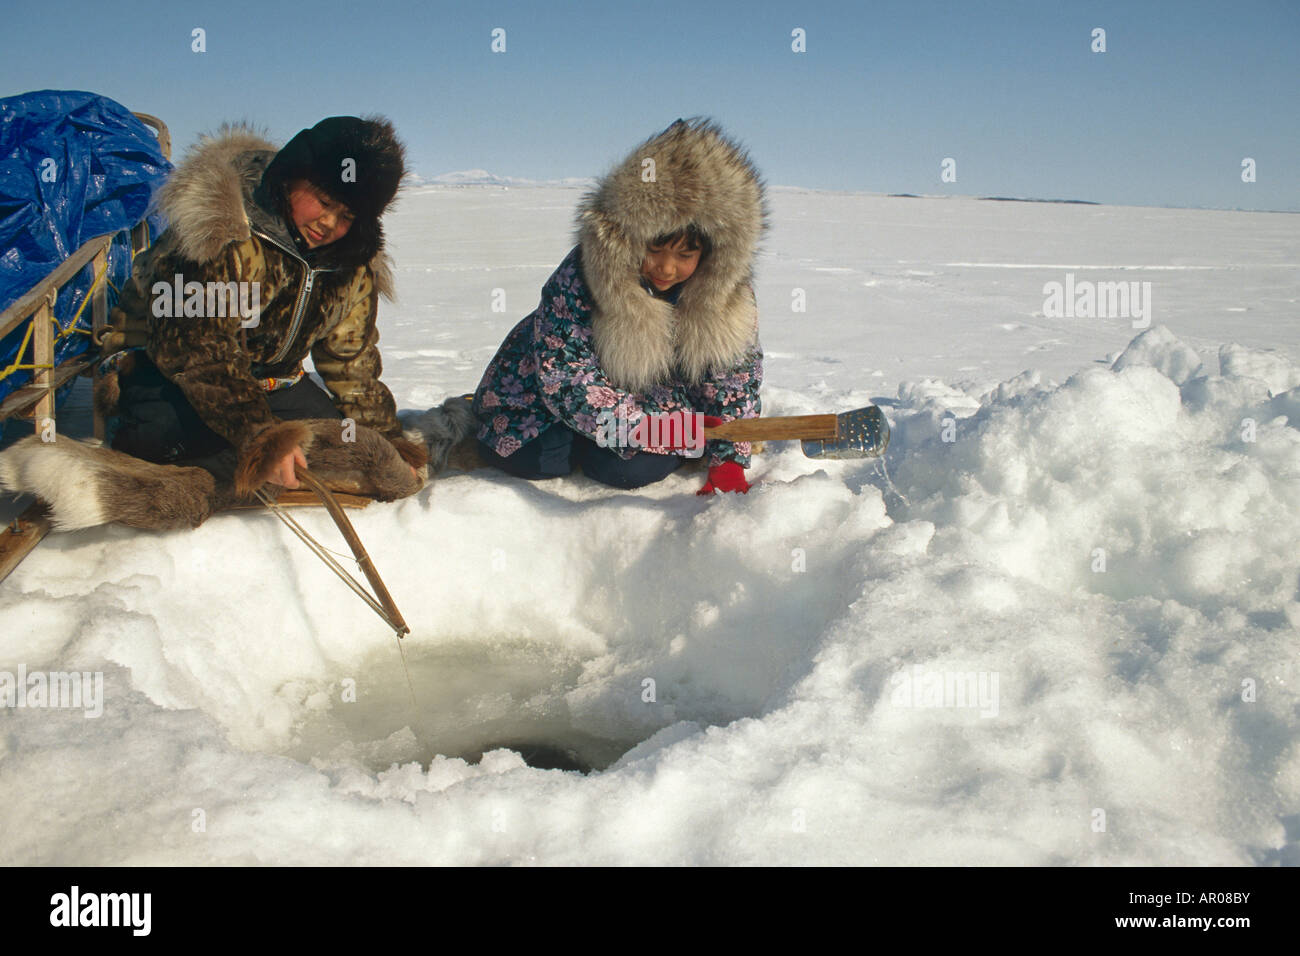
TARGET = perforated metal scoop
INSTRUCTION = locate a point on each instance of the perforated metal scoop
(861, 433)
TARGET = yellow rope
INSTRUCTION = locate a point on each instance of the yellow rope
(62, 333)
(17, 365)
(76, 316)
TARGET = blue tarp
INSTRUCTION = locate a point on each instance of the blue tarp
(73, 166)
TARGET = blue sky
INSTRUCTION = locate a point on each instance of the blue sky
(885, 91)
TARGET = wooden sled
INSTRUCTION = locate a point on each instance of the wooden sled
(36, 401)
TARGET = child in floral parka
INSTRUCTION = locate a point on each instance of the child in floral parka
(653, 313)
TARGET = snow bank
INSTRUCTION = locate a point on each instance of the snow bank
(1070, 640)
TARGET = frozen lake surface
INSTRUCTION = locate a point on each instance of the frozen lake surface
(1071, 640)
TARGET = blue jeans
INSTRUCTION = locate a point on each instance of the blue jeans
(558, 450)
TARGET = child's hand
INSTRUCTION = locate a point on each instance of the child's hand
(283, 473)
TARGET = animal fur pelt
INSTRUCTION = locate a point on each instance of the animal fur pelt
(700, 178)
(87, 485)
(442, 429)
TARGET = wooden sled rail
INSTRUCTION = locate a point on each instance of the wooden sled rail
(20, 536)
(159, 130)
(304, 498)
(37, 306)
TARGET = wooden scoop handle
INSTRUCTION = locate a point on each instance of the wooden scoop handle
(806, 427)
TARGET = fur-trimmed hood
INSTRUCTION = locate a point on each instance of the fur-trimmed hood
(698, 177)
(209, 203)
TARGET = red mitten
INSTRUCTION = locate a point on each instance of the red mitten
(727, 476)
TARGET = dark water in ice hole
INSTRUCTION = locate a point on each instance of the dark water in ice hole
(469, 699)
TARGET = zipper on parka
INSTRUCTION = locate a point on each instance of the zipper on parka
(300, 306)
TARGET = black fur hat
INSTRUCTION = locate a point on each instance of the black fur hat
(359, 162)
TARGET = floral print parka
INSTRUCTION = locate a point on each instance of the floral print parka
(547, 374)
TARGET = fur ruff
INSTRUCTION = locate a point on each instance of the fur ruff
(205, 197)
(265, 449)
(700, 177)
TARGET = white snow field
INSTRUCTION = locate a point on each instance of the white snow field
(1071, 640)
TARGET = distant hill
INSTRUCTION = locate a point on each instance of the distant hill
(481, 177)
(1077, 202)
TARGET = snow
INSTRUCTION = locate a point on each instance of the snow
(1160, 349)
(1066, 634)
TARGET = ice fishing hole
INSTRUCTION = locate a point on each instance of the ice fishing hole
(470, 698)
